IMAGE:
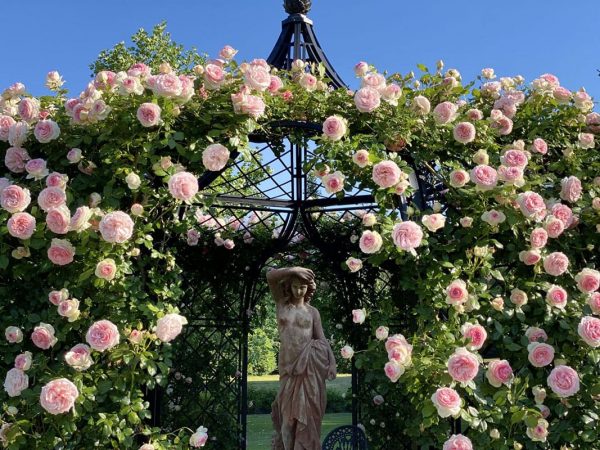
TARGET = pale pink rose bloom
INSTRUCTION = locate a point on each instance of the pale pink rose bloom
(538, 238)
(165, 85)
(106, 269)
(43, 336)
(518, 297)
(58, 180)
(61, 252)
(386, 174)
(589, 330)
(463, 365)
(370, 242)
(214, 157)
(17, 134)
(484, 177)
(258, 78)
(51, 197)
(564, 381)
(554, 227)
(583, 101)
(193, 237)
(421, 105)
(136, 336)
(382, 332)
(74, 155)
(592, 120)
(393, 371)
(228, 244)
(333, 182)
(499, 372)
(58, 220)
(80, 220)
(539, 146)
(373, 80)
(227, 52)
(170, 326)
(556, 263)
(361, 158)
(532, 205)
(514, 158)
(275, 85)
(23, 361)
(199, 438)
(466, 222)
(399, 350)
(535, 334)
(244, 103)
(481, 157)
(562, 95)
(491, 89)
(354, 264)
(5, 123)
(475, 335)
(46, 131)
(474, 114)
(214, 76)
(407, 235)
(361, 69)
(69, 309)
(450, 82)
(16, 159)
(556, 296)
(55, 297)
(464, 132)
(458, 178)
(570, 189)
(308, 82)
(334, 128)
(588, 280)
(488, 73)
(507, 106)
(540, 354)
(347, 352)
(594, 302)
(137, 70)
(458, 442)
(148, 114)
(183, 185)
(14, 198)
(367, 99)
(434, 222)
(391, 94)
(539, 433)
(457, 293)
(29, 109)
(493, 217)
(79, 357)
(369, 219)
(102, 335)
(130, 85)
(13, 335)
(116, 227)
(16, 381)
(562, 212)
(359, 316)
(596, 203)
(58, 396)
(530, 257)
(444, 113)
(21, 225)
(447, 402)
(511, 175)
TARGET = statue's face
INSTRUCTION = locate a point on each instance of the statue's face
(299, 289)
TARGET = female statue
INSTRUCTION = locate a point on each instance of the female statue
(305, 361)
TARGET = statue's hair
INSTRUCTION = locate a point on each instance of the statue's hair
(286, 287)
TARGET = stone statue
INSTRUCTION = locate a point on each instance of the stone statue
(305, 361)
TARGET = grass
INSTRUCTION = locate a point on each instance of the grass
(260, 428)
(271, 382)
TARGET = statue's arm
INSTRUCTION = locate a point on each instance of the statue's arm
(318, 333)
(275, 276)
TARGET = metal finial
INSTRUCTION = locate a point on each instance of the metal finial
(297, 6)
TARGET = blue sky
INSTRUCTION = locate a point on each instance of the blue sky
(527, 37)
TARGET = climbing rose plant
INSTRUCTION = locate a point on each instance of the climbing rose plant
(503, 265)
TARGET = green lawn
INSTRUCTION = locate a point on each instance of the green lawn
(271, 382)
(260, 428)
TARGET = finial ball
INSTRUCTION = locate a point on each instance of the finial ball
(297, 6)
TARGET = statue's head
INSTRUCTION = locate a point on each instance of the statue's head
(295, 288)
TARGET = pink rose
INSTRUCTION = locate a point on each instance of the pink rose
(592, 120)
(69, 309)
(58, 220)
(540, 354)
(562, 212)
(361, 158)
(538, 238)
(474, 114)
(21, 225)
(556, 264)
(458, 178)
(475, 335)
(445, 113)
(386, 174)
(214, 158)
(258, 78)
(5, 123)
(484, 177)
(458, 442)
(570, 189)
(13, 335)
(464, 132)
(138, 70)
(55, 297)
(23, 361)
(58, 396)
(532, 205)
(43, 336)
(74, 155)
(359, 316)
(457, 293)
(17, 134)
(80, 220)
(169, 326)
(539, 432)
(184, 185)
(61, 252)
(58, 180)
(535, 334)
(333, 182)
(79, 357)
(530, 257)
(275, 84)
(499, 372)
(227, 52)
(14, 198)
(347, 352)
(370, 242)
(46, 131)
(594, 302)
(511, 175)
(361, 69)
(102, 335)
(106, 269)
(557, 297)
(564, 381)
(493, 217)
(334, 128)
(514, 158)
(149, 114)
(16, 381)
(308, 82)
(116, 227)
(586, 140)
(518, 297)
(214, 76)
(466, 222)
(15, 159)
(447, 402)
(51, 197)
(382, 332)
(354, 264)
(399, 350)
(554, 227)
(199, 438)
(367, 99)
(588, 280)
(29, 109)
(407, 235)
(391, 94)
(463, 365)
(539, 146)
(393, 371)
(434, 222)
(562, 95)
(589, 330)
(421, 105)
(164, 85)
